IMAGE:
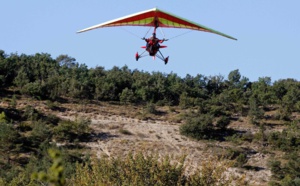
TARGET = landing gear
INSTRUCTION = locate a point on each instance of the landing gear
(155, 53)
(166, 60)
(137, 56)
(160, 56)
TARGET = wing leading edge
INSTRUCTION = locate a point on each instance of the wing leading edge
(155, 18)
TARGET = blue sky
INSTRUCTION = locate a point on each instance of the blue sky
(267, 32)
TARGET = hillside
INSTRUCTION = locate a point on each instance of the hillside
(251, 129)
(120, 129)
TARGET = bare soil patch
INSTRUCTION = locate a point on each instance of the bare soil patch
(120, 129)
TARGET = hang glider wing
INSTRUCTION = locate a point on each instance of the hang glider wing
(156, 18)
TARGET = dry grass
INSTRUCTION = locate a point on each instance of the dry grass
(130, 129)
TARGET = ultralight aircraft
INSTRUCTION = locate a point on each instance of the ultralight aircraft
(155, 18)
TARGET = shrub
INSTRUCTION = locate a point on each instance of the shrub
(40, 133)
(241, 160)
(13, 102)
(127, 96)
(2, 117)
(136, 169)
(198, 127)
(55, 174)
(72, 130)
(286, 140)
(124, 131)
(150, 108)
(223, 122)
(33, 89)
(143, 169)
(286, 173)
(255, 112)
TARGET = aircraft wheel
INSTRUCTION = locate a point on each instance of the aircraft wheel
(166, 60)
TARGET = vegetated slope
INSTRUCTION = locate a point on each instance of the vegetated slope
(121, 129)
(255, 124)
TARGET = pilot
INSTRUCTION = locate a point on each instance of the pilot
(152, 43)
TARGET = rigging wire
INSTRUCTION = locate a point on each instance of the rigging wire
(180, 34)
(130, 32)
(147, 32)
(134, 33)
(161, 31)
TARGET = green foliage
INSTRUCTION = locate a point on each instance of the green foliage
(141, 169)
(40, 133)
(33, 89)
(22, 78)
(255, 112)
(235, 138)
(223, 122)
(127, 96)
(30, 113)
(136, 169)
(13, 102)
(9, 143)
(234, 77)
(297, 106)
(214, 172)
(55, 174)
(72, 130)
(150, 108)
(214, 98)
(238, 155)
(8, 138)
(288, 181)
(42, 77)
(23, 152)
(286, 140)
(241, 160)
(198, 127)
(185, 101)
(3, 117)
(125, 131)
(276, 169)
(288, 101)
(217, 110)
(287, 173)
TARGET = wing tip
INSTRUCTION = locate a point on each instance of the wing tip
(80, 31)
(233, 38)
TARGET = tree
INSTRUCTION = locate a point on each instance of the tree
(223, 122)
(234, 77)
(262, 91)
(141, 85)
(22, 78)
(66, 61)
(8, 69)
(255, 113)
(127, 96)
(215, 84)
(8, 138)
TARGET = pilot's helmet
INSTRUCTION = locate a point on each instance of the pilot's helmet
(154, 34)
